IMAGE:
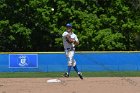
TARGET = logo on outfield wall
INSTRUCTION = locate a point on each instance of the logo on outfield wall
(23, 60)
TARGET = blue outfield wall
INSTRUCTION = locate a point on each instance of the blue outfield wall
(56, 62)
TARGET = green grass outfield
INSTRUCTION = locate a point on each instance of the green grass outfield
(73, 74)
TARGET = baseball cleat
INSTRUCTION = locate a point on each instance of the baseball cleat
(66, 75)
(80, 75)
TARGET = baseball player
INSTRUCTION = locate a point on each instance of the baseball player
(69, 41)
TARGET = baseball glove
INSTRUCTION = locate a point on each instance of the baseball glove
(69, 39)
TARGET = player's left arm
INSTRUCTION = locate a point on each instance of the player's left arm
(76, 41)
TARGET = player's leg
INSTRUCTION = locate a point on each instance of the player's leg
(75, 66)
(78, 72)
(67, 74)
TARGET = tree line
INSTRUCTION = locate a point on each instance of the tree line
(101, 25)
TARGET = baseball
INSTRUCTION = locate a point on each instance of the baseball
(52, 9)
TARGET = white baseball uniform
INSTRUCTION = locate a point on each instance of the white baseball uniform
(69, 48)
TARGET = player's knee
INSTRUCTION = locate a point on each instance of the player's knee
(69, 63)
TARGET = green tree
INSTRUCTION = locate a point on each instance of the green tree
(32, 25)
(15, 37)
(135, 8)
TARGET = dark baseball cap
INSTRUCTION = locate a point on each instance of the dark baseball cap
(68, 25)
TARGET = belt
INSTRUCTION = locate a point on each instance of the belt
(70, 49)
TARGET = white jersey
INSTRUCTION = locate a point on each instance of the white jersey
(65, 43)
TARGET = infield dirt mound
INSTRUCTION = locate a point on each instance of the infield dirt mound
(71, 85)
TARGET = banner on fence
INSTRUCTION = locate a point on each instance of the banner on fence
(23, 60)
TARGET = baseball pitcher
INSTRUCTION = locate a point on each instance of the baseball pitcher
(69, 41)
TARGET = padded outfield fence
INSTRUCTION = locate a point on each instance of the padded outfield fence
(56, 61)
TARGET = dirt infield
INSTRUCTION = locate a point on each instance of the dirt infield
(71, 85)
